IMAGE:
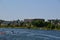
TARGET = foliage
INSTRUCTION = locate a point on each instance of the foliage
(35, 24)
(38, 23)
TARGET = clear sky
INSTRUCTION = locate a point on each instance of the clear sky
(21, 9)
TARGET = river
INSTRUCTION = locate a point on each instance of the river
(28, 34)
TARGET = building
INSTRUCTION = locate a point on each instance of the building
(30, 20)
(5, 23)
(8, 23)
(54, 21)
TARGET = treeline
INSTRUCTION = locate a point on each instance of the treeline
(47, 25)
(32, 23)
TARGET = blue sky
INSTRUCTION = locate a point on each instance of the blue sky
(22, 9)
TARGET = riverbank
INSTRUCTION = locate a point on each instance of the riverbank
(34, 28)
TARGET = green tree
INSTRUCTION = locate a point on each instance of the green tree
(1, 22)
(38, 23)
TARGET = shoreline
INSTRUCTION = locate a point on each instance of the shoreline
(32, 28)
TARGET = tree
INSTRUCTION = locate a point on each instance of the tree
(1, 22)
(38, 23)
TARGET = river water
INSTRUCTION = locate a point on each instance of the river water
(28, 34)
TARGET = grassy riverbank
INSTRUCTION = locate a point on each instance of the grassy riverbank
(40, 28)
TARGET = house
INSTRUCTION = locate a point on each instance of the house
(54, 21)
(5, 23)
(30, 20)
(10, 23)
(1, 21)
(15, 22)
